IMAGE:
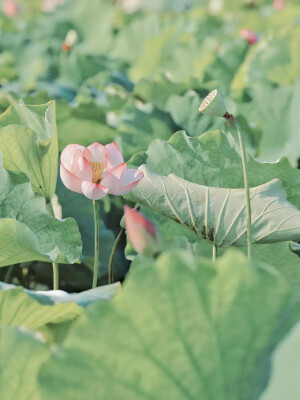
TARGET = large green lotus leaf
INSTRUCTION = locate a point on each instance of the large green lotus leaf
(276, 111)
(153, 342)
(139, 127)
(27, 231)
(28, 142)
(19, 309)
(275, 58)
(213, 159)
(21, 356)
(219, 214)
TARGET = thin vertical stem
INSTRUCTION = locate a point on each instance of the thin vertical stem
(247, 191)
(55, 276)
(96, 253)
(8, 274)
(214, 253)
(112, 256)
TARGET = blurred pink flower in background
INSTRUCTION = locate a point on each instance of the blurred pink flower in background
(250, 36)
(279, 4)
(51, 5)
(97, 170)
(142, 232)
(10, 8)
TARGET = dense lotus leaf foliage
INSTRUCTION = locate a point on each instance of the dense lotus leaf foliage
(176, 311)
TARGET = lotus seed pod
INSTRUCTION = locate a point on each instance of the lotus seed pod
(71, 37)
(213, 104)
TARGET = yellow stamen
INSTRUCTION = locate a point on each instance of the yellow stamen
(97, 169)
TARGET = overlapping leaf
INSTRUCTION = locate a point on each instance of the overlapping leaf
(21, 356)
(28, 142)
(19, 309)
(27, 231)
(219, 214)
(213, 159)
(152, 342)
(52, 297)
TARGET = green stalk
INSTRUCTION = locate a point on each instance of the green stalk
(96, 253)
(214, 253)
(55, 276)
(8, 274)
(247, 192)
(112, 256)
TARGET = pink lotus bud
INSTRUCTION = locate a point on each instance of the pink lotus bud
(250, 36)
(97, 170)
(142, 233)
(10, 8)
(279, 4)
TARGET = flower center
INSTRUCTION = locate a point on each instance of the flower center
(97, 169)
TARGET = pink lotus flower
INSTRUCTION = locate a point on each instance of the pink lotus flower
(250, 36)
(141, 231)
(10, 8)
(97, 170)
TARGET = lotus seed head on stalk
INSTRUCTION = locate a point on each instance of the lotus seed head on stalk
(213, 104)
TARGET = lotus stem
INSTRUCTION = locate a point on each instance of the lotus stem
(247, 192)
(112, 256)
(55, 276)
(214, 253)
(8, 274)
(96, 252)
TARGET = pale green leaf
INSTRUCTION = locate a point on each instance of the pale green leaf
(19, 309)
(21, 355)
(219, 214)
(27, 231)
(213, 159)
(83, 299)
(28, 142)
(151, 342)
